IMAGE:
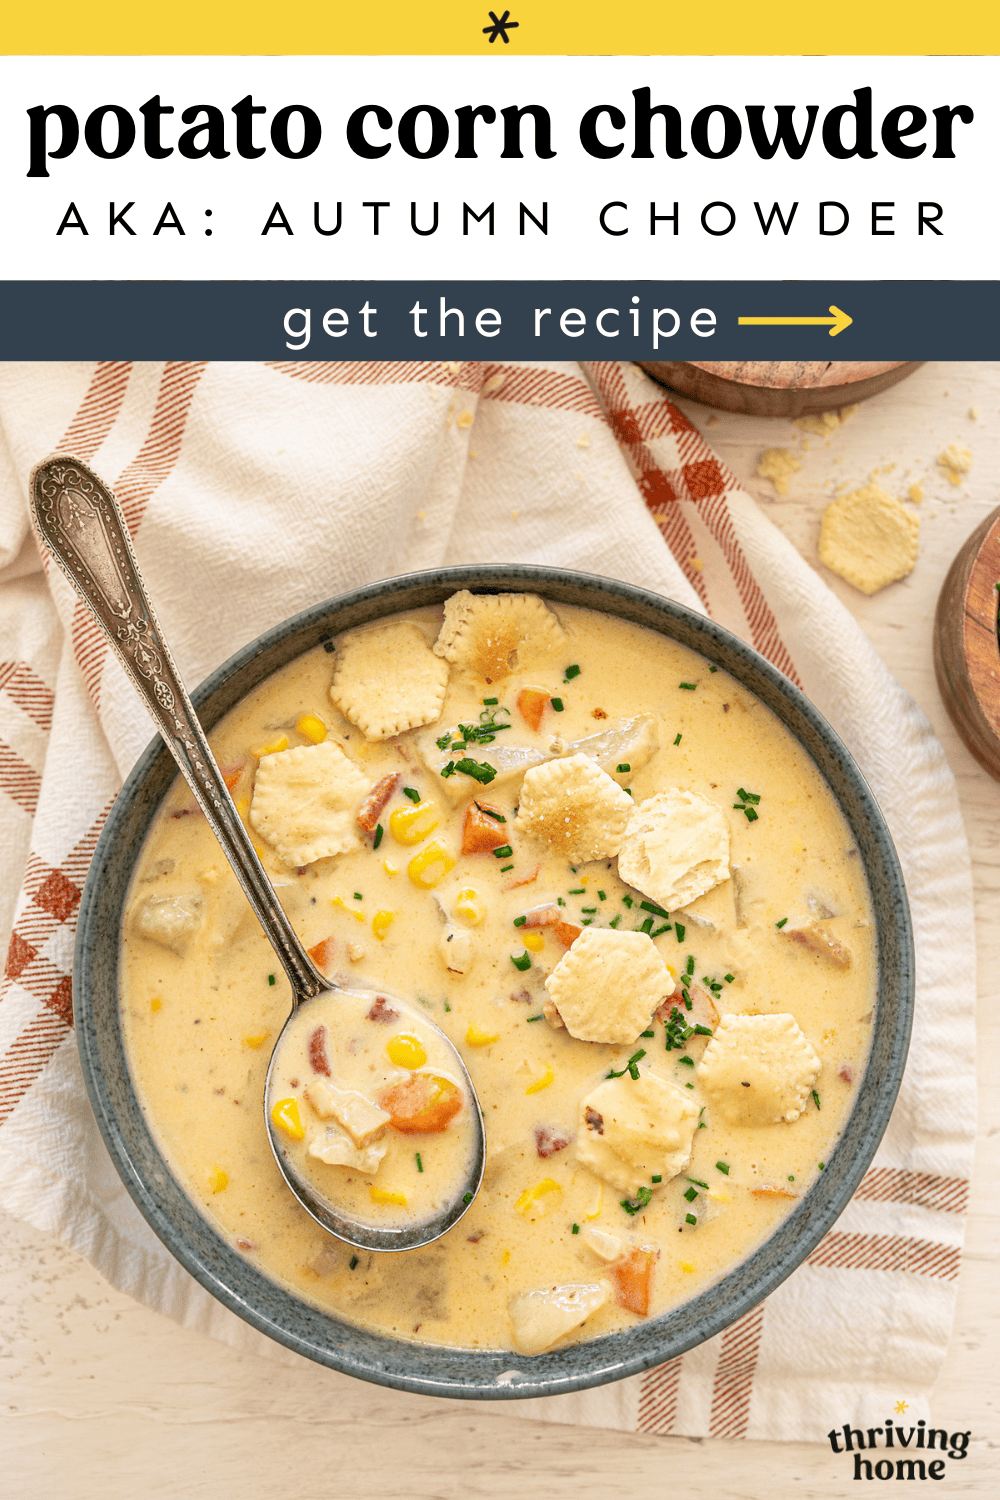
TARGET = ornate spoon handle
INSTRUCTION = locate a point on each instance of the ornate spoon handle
(78, 519)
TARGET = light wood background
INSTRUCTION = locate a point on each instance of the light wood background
(99, 1397)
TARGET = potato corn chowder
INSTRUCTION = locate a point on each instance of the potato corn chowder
(612, 878)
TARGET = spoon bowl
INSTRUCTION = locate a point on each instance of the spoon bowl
(81, 526)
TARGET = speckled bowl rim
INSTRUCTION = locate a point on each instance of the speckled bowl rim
(488, 1374)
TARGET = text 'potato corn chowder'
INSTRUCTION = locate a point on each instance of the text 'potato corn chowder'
(611, 877)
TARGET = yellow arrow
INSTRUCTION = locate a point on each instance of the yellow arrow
(840, 321)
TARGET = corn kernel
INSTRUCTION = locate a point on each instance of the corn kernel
(406, 1051)
(505, 1257)
(256, 1040)
(381, 922)
(541, 1083)
(390, 869)
(598, 1204)
(156, 1003)
(540, 1199)
(285, 1115)
(382, 1195)
(428, 868)
(470, 907)
(279, 743)
(358, 916)
(687, 1266)
(311, 728)
(533, 940)
(408, 825)
(476, 1038)
(218, 1180)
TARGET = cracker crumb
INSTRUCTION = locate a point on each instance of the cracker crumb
(956, 462)
(583, 441)
(915, 493)
(697, 564)
(778, 465)
(464, 418)
(493, 384)
(821, 423)
(973, 413)
(421, 515)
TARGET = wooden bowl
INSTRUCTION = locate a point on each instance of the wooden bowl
(779, 388)
(966, 648)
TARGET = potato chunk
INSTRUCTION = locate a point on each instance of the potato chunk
(362, 1119)
(171, 920)
(540, 1319)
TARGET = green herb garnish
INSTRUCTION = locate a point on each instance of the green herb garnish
(353, 1263)
(478, 770)
(575, 1229)
(489, 813)
(630, 1067)
(625, 766)
(639, 1202)
(680, 930)
(557, 704)
(615, 920)
(688, 686)
(504, 852)
(379, 831)
(420, 1165)
(539, 1017)
(412, 793)
(466, 1197)
(270, 979)
(570, 673)
(691, 1194)
(723, 1167)
(358, 896)
(815, 1098)
(690, 1219)
(628, 901)
(522, 963)
(677, 740)
(519, 921)
(489, 701)
(603, 895)
(781, 924)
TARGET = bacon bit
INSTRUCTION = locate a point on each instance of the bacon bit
(542, 916)
(767, 1190)
(245, 1245)
(567, 933)
(480, 832)
(423, 1104)
(632, 1276)
(531, 704)
(553, 1017)
(382, 1012)
(598, 713)
(593, 1120)
(525, 879)
(846, 1072)
(551, 1138)
(474, 1239)
(185, 812)
(317, 1051)
(371, 808)
(323, 953)
(522, 995)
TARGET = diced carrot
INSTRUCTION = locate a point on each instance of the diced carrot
(567, 933)
(480, 832)
(531, 703)
(424, 1103)
(318, 1058)
(371, 807)
(632, 1276)
(323, 953)
(232, 774)
(767, 1190)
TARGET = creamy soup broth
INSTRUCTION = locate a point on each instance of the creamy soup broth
(788, 933)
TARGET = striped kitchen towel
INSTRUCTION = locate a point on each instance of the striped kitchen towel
(254, 490)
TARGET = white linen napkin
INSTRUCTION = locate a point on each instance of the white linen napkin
(254, 490)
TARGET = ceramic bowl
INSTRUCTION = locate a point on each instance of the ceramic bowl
(480, 1374)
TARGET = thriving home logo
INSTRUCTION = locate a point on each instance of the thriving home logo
(859, 1441)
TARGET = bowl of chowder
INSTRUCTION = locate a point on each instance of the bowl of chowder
(630, 871)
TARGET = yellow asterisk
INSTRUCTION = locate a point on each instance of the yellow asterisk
(900, 1405)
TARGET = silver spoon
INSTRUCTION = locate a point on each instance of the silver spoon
(78, 519)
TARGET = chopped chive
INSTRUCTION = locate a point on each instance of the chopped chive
(580, 890)
(625, 766)
(657, 1178)
(504, 852)
(628, 901)
(677, 740)
(522, 963)
(702, 1125)
(627, 790)
(615, 920)
(586, 921)
(270, 979)
(646, 926)
(479, 770)
(379, 831)
(647, 1033)
(815, 1098)
(642, 1197)
(497, 817)
(713, 669)
(328, 645)
(466, 1197)
(680, 930)
(590, 909)
(781, 923)
(723, 1167)
(791, 1179)
(354, 1261)
(729, 978)
(630, 1067)
(697, 1183)
(447, 1006)
(822, 1166)
(420, 1165)
(570, 673)
(603, 895)
(489, 701)
(557, 704)
(505, 868)
(651, 906)
(689, 1061)
(539, 1017)
(690, 964)
(358, 896)
(575, 1229)
(752, 815)
(687, 999)
(660, 930)
(690, 1219)
(519, 921)
(560, 901)
(691, 1194)
(688, 686)
(703, 1030)
(412, 793)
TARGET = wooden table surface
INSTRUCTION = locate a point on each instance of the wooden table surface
(99, 1397)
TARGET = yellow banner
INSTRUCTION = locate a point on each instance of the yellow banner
(528, 27)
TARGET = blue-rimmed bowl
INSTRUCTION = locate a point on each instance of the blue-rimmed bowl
(480, 1374)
